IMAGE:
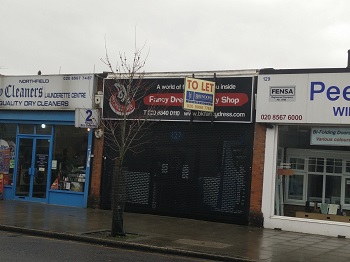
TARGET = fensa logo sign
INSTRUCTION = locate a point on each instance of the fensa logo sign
(282, 93)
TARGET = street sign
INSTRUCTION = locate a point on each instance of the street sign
(199, 95)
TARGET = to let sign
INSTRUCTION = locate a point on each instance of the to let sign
(199, 95)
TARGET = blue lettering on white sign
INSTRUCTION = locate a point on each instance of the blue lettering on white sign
(341, 111)
(89, 115)
(333, 93)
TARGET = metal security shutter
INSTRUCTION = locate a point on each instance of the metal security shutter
(198, 170)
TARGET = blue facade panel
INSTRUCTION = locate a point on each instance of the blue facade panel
(32, 117)
(57, 118)
(66, 199)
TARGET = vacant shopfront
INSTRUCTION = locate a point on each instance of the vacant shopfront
(43, 157)
(307, 158)
(200, 169)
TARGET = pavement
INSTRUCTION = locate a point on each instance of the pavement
(178, 236)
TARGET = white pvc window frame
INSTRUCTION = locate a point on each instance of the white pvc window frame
(324, 154)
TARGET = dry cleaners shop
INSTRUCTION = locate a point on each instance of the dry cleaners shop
(43, 157)
(307, 157)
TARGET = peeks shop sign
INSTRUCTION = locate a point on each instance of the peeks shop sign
(318, 98)
(163, 98)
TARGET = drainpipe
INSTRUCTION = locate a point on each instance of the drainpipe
(348, 59)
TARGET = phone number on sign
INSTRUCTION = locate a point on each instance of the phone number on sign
(282, 117)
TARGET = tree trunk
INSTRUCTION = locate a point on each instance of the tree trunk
(118, 201)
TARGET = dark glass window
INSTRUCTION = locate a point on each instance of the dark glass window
(26, 129)
(69, 158)
(44, 129)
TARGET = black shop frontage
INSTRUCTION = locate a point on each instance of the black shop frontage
(196, 165)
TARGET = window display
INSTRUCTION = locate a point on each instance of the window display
(319, 181)
(69, 160)
(7, 151)
(296, 187)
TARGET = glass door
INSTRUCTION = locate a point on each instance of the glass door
(32, 168)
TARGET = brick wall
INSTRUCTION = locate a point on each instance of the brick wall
(96, 173)
(96, 170)
(255, 214)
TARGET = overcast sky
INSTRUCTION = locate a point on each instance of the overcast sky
(69, 37)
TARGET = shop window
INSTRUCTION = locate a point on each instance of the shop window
(347, 166)
(296, 187)
(334, 166)
(319, 183)
(315, 188)
(69, 159)
(297, 163)
(44, 129)
(333, 189)
(26, 129)
(316, 164)
(7, 151)
(347, 191)
(295, 184)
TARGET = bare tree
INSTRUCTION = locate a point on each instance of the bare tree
(126, 132)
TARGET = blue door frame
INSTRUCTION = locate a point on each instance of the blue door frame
(32, 178)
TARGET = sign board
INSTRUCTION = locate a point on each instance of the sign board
(330, 136)
(55, 92)
(163, 99)
(317, 98)
(285, 172)
(285, 169)
(87, 118)
(199, 95)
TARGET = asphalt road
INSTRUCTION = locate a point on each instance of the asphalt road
(18, 247)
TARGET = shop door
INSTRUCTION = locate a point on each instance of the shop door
(173, 180)
(32, 168)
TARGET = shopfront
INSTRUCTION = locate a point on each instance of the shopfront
(307, 157)
(195, 164)
(43, 157)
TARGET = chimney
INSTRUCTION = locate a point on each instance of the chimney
(348, 59)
